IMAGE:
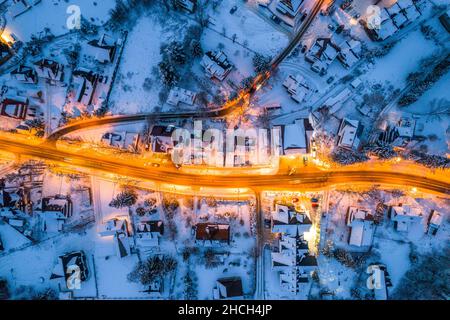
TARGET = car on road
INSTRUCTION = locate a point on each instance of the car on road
(276, 19)
(233, 9)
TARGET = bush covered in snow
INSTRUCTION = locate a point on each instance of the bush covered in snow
(346, 157)
(126, 198)
(381, 150)
(429, 160)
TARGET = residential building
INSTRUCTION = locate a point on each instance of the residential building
(350, 53)
(322, 54)
(212, 233)
(434, 222)
(188, 5)
(178, 95)
(118, 229)
(65, 267)
(24, 74)
(228, 288)
(85, 83)
(148, 233)
(349, 134)
(161, 138)
(49, 69)
(122, 140)
(14, 107)
(296, 137)
(293, 263)
(362, 227)
(296, 87)
(406, 127)
(216, 65)
(58, 203)
(405, 216)
(103, 49)
(394, 16)
(286, 220)
(288, 11)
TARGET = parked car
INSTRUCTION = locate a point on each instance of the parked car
(276, 19)
(233, 9)
(330, 80)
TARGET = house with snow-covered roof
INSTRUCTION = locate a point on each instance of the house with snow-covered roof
(293, 263)
(122, 140)
(296, 87)
(103, 49)
(148, 233)
(188, 5)
(117, 228)
(228, 288)
(211, 234)
(288, 11)
(434, 222)
(349, 134)
(286, 220)
(13, 106)
(216, 65)
(161, 138)
(24, 74)
(322, 53)
(362, 227)
(179, 95)
(405, 217)
(350, 53)
(65, 268)
(296, 137)
(49, 70)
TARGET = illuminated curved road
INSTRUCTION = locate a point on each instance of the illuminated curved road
(282, 181)
(228, 108)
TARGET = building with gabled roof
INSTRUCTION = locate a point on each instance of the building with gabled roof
(49, 69)
(286, 220)
(434, 222)
(349, 134)
(103, 49)
(296, 137)
(179, 95)
(362, 227)
(228, 288)
(350, 53)
(216, 64)
(405, 216)
(148, 233)
(188, 5)
(24, 74)
(212, 233)
(65, 264)
(15, 107)
(296, 87)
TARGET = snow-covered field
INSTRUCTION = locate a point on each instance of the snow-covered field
(52, 14)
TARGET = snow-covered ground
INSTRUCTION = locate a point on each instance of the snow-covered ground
(52, 14)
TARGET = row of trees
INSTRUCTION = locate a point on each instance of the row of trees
(420, 83)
